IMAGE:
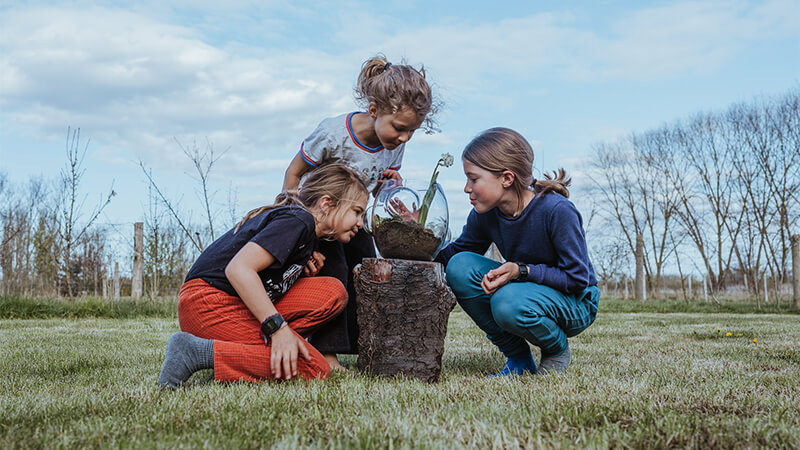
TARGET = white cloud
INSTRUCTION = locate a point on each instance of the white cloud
(136, 79)
(137, 82)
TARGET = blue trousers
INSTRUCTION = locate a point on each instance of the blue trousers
(520, 311)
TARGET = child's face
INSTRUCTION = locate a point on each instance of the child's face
(485, 189)
(347, 218)
(397, 128)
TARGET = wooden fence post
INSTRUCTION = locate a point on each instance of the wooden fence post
(138, 266)
(705, 288)
(117, 287)
(105, 284)
(766, 294)
(640, 286)
(626, 288)
(691, 297)
(796, 269)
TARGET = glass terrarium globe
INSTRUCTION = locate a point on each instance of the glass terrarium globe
(405, 225)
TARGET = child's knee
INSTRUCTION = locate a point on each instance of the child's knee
(461, 272)
(507, 310)
(337, 294)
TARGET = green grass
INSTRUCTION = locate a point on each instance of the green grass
(638, 380)
(14, 307)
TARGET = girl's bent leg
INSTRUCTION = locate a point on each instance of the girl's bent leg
(544, 316)
(464, 274)
(239, 349)
(251, 362)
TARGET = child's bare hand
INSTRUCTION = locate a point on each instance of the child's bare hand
(387, 174)
(398, 208)
(499, 277)
(286, 348)
(314, 264)
(390, 174)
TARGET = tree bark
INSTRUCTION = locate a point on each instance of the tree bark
(138, 266)
(403, 307)
(796, 269)
(641, 288)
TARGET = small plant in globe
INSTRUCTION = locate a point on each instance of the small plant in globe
(446, 160)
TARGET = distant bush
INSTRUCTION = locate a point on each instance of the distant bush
(15, 307)
(612, 305)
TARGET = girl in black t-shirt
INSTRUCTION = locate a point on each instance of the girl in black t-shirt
(244, 309)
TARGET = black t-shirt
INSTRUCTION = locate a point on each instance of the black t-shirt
(287, 233)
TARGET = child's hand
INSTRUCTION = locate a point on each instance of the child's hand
(314, 264)
(387, 174)
(286, 347)
(497, 278)
(398, 208)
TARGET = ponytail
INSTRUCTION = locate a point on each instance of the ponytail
(285, 198)
(558, 183)
(333, 180)
(393, 87)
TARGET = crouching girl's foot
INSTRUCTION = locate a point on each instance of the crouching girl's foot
(186, 354)
(333, 361)
(517, 366)
(555, 363)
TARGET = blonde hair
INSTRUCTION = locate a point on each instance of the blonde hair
(394, 86)
(334, 180)
(499, 149)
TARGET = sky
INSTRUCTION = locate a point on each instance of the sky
(141, 79)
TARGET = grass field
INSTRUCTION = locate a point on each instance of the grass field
(638, 379)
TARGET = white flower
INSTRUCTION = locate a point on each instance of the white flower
(447, 159)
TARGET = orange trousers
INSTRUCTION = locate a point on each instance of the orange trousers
(239, 350)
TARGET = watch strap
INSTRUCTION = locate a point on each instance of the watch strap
(523, 272)
(272, 324)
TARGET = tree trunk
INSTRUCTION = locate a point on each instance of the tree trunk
(138, 266)
(403, 307)
(640, 287)
(796, 270)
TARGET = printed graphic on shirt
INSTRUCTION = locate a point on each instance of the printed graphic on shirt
(276, 288)
(334, 141)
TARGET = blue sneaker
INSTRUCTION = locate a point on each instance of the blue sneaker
(517, 367)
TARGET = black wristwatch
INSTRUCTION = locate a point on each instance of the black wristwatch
(523, 272)
(271, 324)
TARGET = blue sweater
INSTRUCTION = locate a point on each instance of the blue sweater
(548, 236)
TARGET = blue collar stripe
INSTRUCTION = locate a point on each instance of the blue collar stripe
(355, 139)
(305, 157)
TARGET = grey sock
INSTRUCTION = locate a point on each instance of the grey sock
(555, 363)
(186, 354)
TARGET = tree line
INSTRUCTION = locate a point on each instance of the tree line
(715, 194)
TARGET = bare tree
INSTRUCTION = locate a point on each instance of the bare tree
(637, 195)
(203, 162)
(71, 230)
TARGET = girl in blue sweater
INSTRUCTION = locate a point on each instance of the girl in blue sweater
(547, 290)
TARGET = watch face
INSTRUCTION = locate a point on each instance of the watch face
(272, 324)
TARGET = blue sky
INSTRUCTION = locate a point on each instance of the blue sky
(258, 76)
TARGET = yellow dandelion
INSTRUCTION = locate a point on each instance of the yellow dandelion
(739, 335)
(718, 330)
(755, 341)
(728, 334)
(694, 331)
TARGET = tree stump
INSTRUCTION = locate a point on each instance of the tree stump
(403, 307)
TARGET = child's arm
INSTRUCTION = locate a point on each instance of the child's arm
(242, 272)
(296, 169)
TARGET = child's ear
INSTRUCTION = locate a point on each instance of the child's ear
(507, 178)
(326, 203)
(372, 109)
